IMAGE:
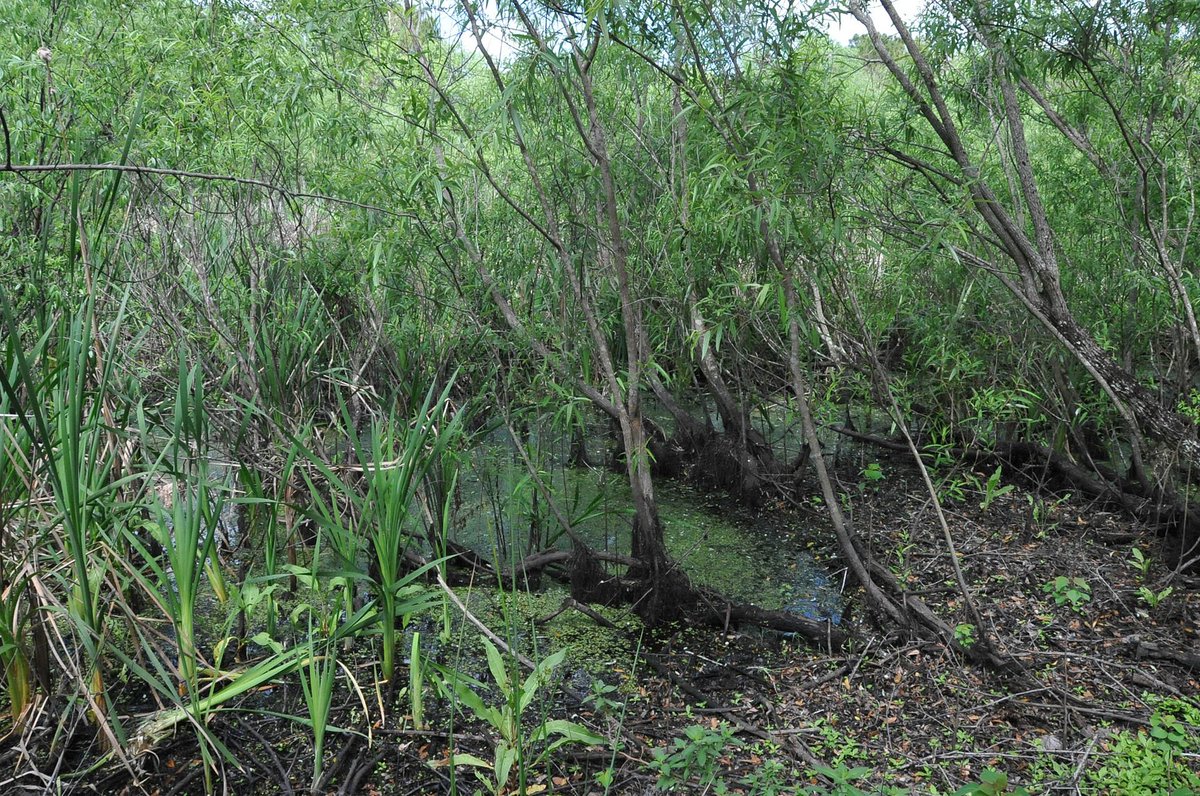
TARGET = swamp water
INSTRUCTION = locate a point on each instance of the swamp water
(500, 514)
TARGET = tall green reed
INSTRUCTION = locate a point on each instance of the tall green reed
(317, 678)
(58, 399)
(401, 454)
(80, 473)
(261, 523)
(289, 342)
(16, 490)
(416, 683)
(287, 349)
(186, 529)
(334, 511)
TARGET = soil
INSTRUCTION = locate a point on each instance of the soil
(758, 712)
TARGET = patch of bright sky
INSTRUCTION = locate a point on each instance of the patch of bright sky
(846, 27)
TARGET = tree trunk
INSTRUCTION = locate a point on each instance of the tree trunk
(1038, 285)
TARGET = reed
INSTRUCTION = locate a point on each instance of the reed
(186, 530)
(400, 455)
(317, 678)
(57, 392)
(16, 488)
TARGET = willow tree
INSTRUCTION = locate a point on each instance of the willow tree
(1030, 66)
(561, 170)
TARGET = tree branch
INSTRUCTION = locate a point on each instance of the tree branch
(183, 174)
(7, 141)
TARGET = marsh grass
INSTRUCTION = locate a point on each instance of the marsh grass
(57, 391)
(395, 462)
(16, 488)
(262, 518)
(416, 684)
(318, 674)
(332, 511)
(117, 529)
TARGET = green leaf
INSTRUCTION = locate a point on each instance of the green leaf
(463, 759)
(505, 757)
(537, 678)
(572, 732)
(469, 698)
(264, 640)
(496, 666)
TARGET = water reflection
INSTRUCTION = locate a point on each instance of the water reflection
(499, 513)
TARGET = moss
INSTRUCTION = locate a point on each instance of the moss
(589, 646)
(719, 553)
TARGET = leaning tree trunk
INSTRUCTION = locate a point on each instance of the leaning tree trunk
(1147, 411)
(1038, 284)
(621, 402)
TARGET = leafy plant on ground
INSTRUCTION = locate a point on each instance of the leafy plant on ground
(519, 752)
(872, 473)
(1073, 591)
(1136, 763)
(991, 783)
(1153, 598)
(992, 489)
(1140, 561)
(1159, 760)
(599, 697)
(769, 778)
(692, 761)
(839, 746)
(842, 780)
(1042, 513)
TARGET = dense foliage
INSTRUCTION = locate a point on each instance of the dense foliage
(288, 262)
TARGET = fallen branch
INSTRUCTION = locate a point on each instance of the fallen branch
(571, 602)
(718, 610)
(487, 631)
(1148, 649)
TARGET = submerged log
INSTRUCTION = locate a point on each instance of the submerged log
(714, 609)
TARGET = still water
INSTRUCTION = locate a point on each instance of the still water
(754, 558)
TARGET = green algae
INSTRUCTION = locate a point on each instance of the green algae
(589, 645)
(740, 555)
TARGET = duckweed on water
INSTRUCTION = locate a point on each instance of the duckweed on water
(589, 646)
(740, 556)
(743, 561)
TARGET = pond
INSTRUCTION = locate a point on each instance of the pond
(751, 558)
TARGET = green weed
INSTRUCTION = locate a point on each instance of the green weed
(518, 752)
(1073, 591)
